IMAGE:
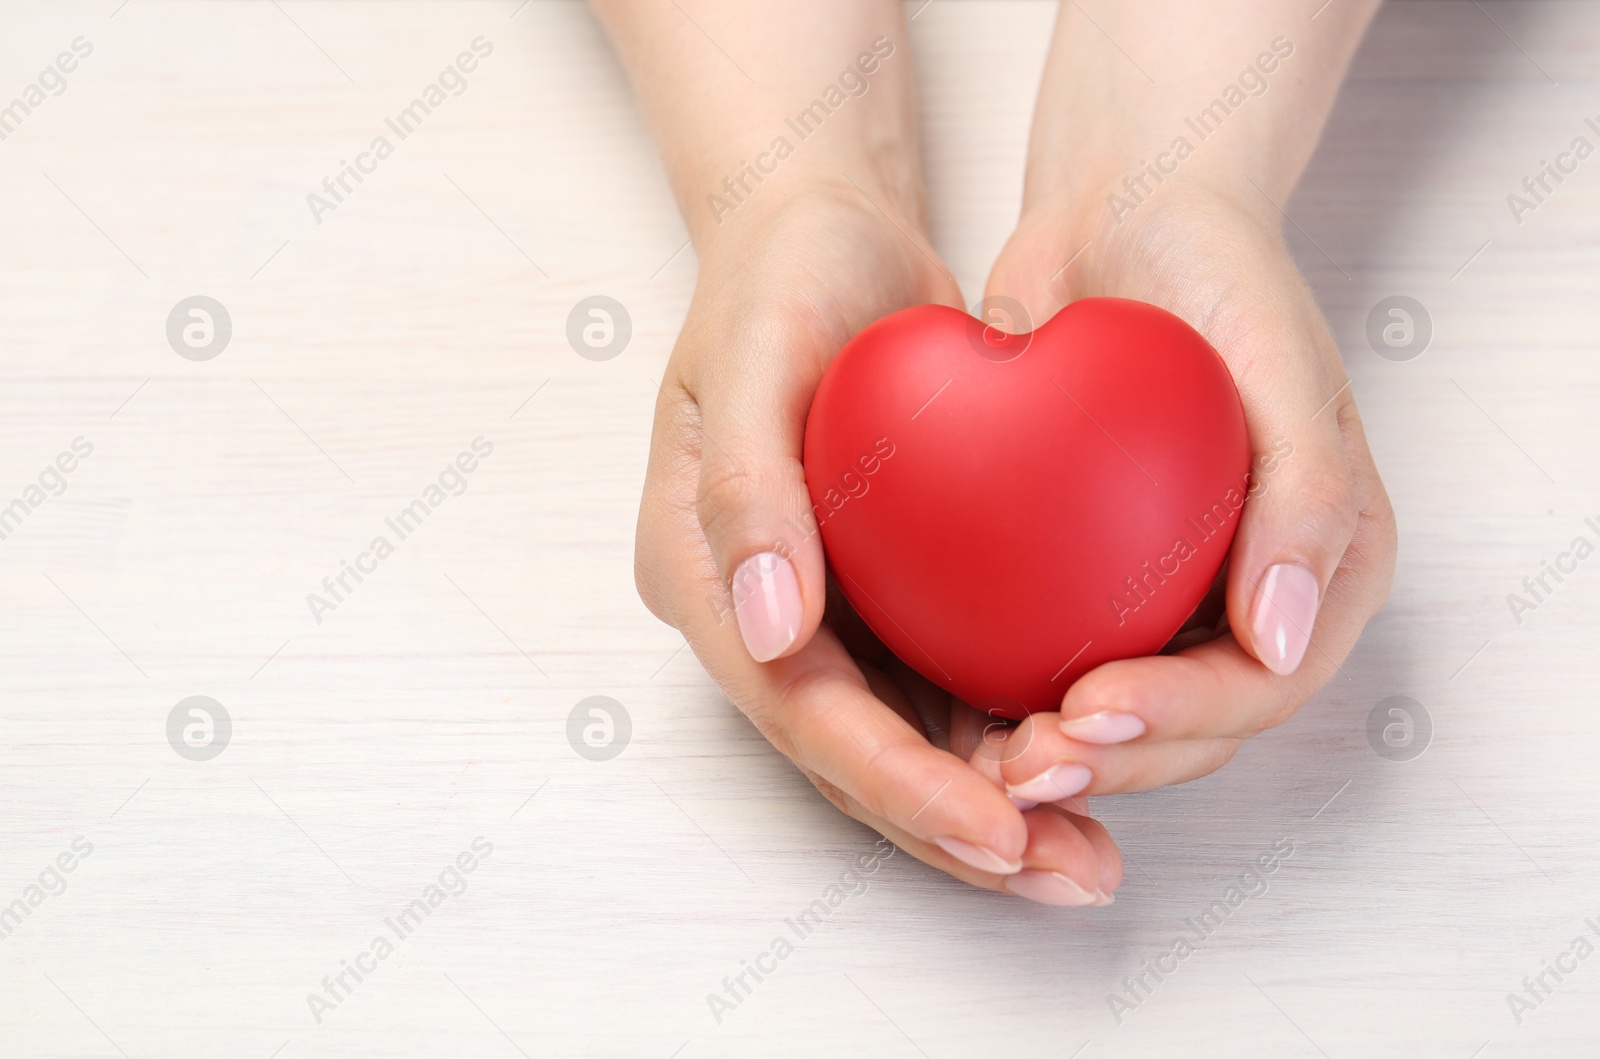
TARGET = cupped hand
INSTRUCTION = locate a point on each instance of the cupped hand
(1315, 547)
(727, 550)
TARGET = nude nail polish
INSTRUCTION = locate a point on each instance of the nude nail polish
(980, 857)
(1104, 728)
(1049, 888)
(766, 600)
(1286, 609)
(1053, 784)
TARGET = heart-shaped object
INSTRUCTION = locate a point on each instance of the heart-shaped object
(1007, 512)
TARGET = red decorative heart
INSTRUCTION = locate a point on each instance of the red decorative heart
(1007, 512)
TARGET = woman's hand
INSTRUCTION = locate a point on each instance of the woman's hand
(728, 551)
(1199, 235)
(801, 248)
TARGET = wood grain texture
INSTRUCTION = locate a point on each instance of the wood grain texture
(427, 709)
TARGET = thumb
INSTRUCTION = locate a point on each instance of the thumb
(1032, 278)
(753, 505)
(1302, 510)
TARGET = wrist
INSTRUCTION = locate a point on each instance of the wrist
(847, 190)
(1127, 156)
(1235, 112)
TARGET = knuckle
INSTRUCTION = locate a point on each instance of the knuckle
(1277, 713)
(1367, 566)
(771, 717)
(647, 584)
(835, 795)
(725, 492)
(1326, 500)
(657, 552)
(662, 524)
(1379, 527)
(1220, 753)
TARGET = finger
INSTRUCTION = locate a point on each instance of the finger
(1216, 689)
(1070, 859)
(747, 405)
(820, 713)
(1061, 866)
(972, 729)
(988, 759)
(987, 742)
(1005, 748)
(1089, 865)
(1036, 268)
(1105, 847)
(814, 705)
(1302, 506)
(1292, 385)
(890, 694)
(933, 704)
(1050, 767)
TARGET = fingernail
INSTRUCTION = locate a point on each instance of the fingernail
(766, 599)
(1286, 609)
(1053, 784)
(1023, 803)
(1103, 898)
(1110, 876)
(1048, 888)
(1104, 728)
(980, 857)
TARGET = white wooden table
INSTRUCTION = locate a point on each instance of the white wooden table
(428, 709)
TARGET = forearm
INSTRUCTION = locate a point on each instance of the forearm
(749, 101)
(1227, 93)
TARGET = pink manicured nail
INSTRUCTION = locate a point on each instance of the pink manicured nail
(1103, 898)
(1105, 727)
(980, 857)
(1049, 888)
(1286, 609)
(766, 598)
(1053, 784)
